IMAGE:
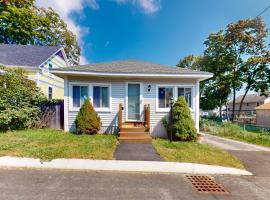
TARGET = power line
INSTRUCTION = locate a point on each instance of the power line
(267, 8)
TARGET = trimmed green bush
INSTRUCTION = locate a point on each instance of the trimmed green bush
(183, 124)
(87, 120)
(20, 100)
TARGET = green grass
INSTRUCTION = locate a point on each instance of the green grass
(233, 131)
(49, 144)
(193, 152)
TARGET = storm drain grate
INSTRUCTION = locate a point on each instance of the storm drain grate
(205, 184)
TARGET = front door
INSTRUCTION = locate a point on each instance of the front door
(133, 102)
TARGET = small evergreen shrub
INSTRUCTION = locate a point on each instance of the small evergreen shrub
(183, 125)
(87, 120)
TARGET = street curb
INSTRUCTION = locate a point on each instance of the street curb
(120, 166)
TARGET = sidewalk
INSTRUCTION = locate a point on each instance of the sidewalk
(123, 166)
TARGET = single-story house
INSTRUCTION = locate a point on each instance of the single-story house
(132, 84)
(263, 115)
(250, 103)
(38, 61)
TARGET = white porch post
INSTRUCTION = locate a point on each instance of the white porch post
(197, 105)
(66, 97)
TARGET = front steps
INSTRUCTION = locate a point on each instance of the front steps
(134, 133)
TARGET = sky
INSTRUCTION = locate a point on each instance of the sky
(160, 31)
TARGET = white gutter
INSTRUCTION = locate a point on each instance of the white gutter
(184, 75)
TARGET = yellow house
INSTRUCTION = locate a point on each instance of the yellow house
(38, 61)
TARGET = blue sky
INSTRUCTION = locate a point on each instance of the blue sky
(161, 31)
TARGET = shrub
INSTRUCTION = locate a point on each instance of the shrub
(20, 100)
(87, 120)
(183, 124)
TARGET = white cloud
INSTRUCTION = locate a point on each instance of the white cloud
(148, 6)
(83, 60)
(64, 8)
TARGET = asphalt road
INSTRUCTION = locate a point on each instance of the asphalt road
(51, 184)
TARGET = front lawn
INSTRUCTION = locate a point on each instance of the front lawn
(193, 152)
(49, 144)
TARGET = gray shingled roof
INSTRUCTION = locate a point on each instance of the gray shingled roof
(250, 98)
(25, 55)
(130, 66)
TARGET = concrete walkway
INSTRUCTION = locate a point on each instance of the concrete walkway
(136, 151)
(119, 166)
(233, 145)
(256, 159)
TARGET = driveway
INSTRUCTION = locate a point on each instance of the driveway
(255, 158)
(78, 185)
(137, 151)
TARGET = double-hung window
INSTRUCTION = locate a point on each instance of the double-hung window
(101, 97)
(164, 96)
(186, 92)
(50, 92)
(80, 94)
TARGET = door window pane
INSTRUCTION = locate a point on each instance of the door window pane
(164, 97)
(76, 96)
(133, 101)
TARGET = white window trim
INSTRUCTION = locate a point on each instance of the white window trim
(108, 109)
(175, 95)
(71, 108)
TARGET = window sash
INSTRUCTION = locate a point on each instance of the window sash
(186, 92)
(80, 95)
(164, 96)
(101, 96)
(50, 92)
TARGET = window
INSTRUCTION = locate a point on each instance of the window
(101, 96)
(80, 94)
(247, 104)
(258, 103)
(50, 66)
(50, 92)
(187, 94)
(164, 96)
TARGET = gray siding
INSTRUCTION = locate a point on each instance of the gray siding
(118, 95)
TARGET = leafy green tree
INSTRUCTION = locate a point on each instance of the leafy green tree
(20, 100)
(245, 39)
(183, 125)
(87, 120)
(22, 23)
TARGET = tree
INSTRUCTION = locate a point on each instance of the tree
(20, 100)
(22, 23)
(87, 120)
(246, 40)
(183, 124)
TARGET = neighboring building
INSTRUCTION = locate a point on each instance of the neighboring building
(250, 103)
(38, 61)
(133, 84)
(263, 115)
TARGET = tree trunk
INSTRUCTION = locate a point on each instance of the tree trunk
(242, 100)
(220, 112)
(234, 93)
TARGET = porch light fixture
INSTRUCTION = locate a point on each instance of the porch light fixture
(149, 88)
